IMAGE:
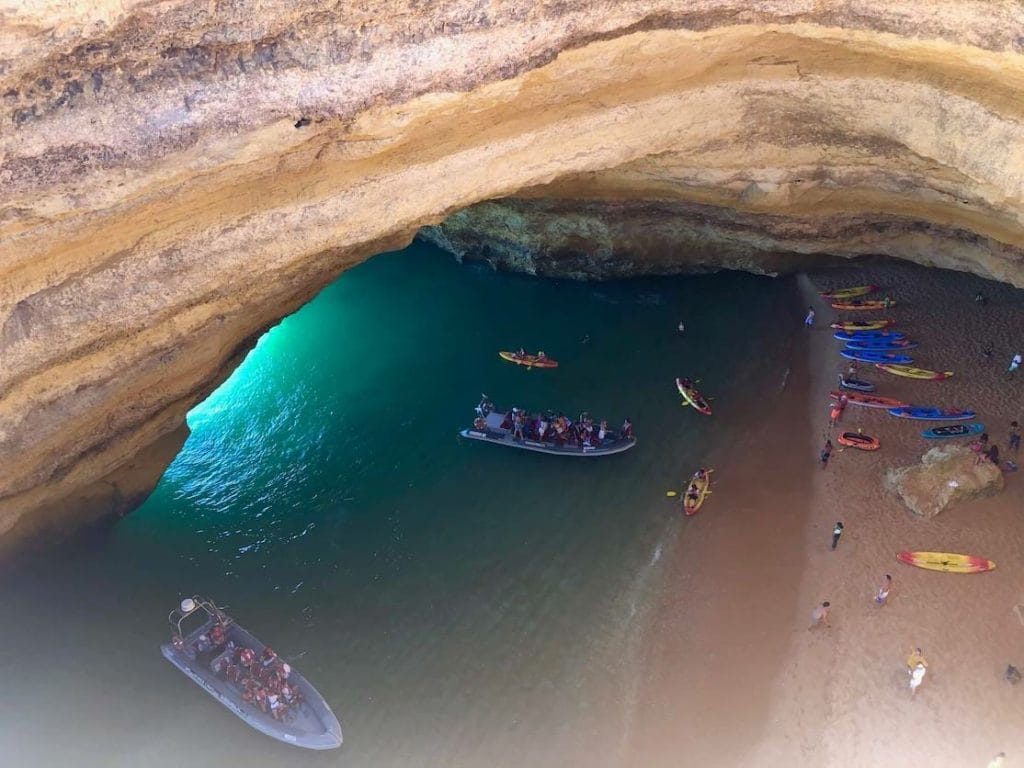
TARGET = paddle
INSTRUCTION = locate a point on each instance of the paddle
(671, 494)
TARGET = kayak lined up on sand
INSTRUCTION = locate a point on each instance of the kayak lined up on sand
(540, 360)
(882, 344)
(693, 397)
(691, 506)
(913, 373)
(862, 305)
(931, 414)
(867, 401)
(953, 430)
(875, 356)
(858, 440)
(861, 325)
(858, 385)
(849, 293)
(948, 562)
(868, 335)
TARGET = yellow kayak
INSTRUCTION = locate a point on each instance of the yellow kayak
(863, 325)
(850, 293)
(692, 505)
(946, 562)
(910, 372)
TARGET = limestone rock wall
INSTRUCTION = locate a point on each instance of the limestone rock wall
(176, 176)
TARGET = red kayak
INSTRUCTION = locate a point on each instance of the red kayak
(866, 400)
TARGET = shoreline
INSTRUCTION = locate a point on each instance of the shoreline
(737, 679)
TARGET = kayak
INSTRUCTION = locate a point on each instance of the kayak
(849, 293)
(857, 440)
(693, 397)
(861, 325)
(856, 384)
(692, 506)
(868, 335)
(913, 373)
(881, 344)
(874, 356)
(530, 361)
(867, 401)
(953, 430)
(947, 562)
(931, 414)
(855, 304)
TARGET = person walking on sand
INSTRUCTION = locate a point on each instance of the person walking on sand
(1014, 365)
(917, 677)
(883, 591)
(1014, 436)
(820, 615)
(809, 320)
(837, 531)
(916, 658)
(826, 453)
(833, 415)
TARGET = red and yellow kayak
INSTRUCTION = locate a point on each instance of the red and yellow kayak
(868, 401)
(910, 372)
(863, 325)
(946, 562)
(857, 440)
(692, 506)
(530, 361)
(849, 293)
(861, 305)
(693, 397)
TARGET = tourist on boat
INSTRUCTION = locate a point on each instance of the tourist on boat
(521, 353)
(268, 657)
(693, 493)
(702, 473)
(686, 383)
(602, 431)
(627, 429)
(541, 355)
(479, 423)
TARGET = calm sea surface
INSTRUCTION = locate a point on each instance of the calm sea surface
(458, 604)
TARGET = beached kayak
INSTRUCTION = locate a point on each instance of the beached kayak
(857, 440)
(849, 293)
(882, 344)
(947, 562)
(867, 401)
(953, 430)
(530, 361)
(913, 373)
(693, 397)
(858, 385)
(692, 506)
(862, 325)
(868, 335)
(931, 414)
(861, 305)
(875, 356)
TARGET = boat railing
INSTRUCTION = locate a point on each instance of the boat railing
(191, 606)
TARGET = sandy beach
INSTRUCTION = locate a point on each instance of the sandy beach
(734, 676)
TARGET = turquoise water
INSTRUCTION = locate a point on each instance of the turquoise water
(456, 603)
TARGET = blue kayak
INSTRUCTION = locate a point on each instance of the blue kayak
(875, 356)
(953, 430)
(863, 335)
(889, 345)
(931, 414)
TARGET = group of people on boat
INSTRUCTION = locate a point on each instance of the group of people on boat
(555, 428)
(262, 679)
(522, 354)
(693, 492)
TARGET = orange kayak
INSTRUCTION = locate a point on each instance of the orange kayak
(530, 361)
(910, 372)
(857, 440)
(868, 401)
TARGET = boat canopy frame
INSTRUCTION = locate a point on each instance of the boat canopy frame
(212, 610)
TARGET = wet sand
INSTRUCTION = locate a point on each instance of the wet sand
(736, 678)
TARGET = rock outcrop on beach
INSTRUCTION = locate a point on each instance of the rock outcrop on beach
(945, 477)
(177, 176)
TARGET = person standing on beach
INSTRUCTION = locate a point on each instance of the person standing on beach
(837, 531)
(884, 590)
(1014, 365)
(1014, 436)
(826, 453)
(915, 658)
(809, 320)
(833, 415)
(987, 351)
(820, 615)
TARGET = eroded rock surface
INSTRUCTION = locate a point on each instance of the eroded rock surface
(946, 476)
(176, 176)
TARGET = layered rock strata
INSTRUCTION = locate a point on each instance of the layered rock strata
(946, 476)
(175, 177)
